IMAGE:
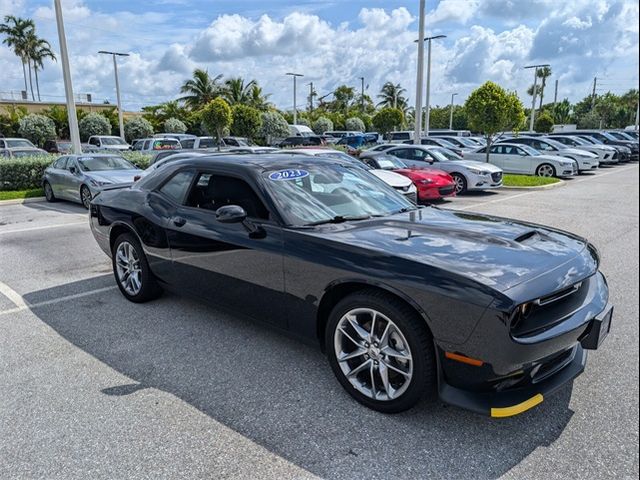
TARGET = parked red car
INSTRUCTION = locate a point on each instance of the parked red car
(432, 184)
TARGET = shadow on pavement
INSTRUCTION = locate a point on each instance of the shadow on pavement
(58, 206)
(281, 393)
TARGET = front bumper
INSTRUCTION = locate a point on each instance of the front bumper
(485, 182)
(435, 192)
(498, 374)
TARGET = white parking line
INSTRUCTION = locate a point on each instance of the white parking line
(43, 227)
(22, 305)
(510, 197)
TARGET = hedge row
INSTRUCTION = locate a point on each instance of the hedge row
(26, 173)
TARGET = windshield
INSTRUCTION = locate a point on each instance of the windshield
(444, 155)
(20, 142)
(578, 141)
(592, 140)
(28, 153)
(620, 136)
(389, 162)
(336, 155)
(112, 141)
(555, 144)
(331, 194)
(445, 143)
(100, 164)
(465, 142)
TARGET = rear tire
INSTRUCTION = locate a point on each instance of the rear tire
(546, 170)
(131, 270)
(461, 183)
(397, 358)
(48, 192)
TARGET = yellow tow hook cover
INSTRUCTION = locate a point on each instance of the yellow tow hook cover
(517, 409)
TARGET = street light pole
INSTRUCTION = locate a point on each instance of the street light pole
(68, 86)
(420, 75)
(535, 92)
(362, 94)
(451, 112)
(427, 116)
(115, 70)
(295, 94)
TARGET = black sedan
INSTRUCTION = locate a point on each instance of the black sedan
(493, 314)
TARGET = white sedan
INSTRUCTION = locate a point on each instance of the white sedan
(402, 184)
(524, 160)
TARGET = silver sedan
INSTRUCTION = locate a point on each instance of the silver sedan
(80, 177)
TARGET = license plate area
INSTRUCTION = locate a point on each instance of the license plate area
(600, 328)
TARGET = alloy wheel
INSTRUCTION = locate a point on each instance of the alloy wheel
(128, 268)
(459, 181)
(48, 192)
(85, 196)
(545, 171)
(373, 354)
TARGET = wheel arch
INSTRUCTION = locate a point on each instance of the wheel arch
(118, 229)
(337, 290)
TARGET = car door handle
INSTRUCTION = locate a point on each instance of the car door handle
(178, 221)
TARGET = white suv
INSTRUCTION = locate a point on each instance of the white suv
(108, 142)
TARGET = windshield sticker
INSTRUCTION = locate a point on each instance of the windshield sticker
(288, 175)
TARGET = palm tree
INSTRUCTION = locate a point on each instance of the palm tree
(16, 31)
(236, 91)
(258, 99)
(39, 50)
(543, 73)
(200, 89)
(392, 96)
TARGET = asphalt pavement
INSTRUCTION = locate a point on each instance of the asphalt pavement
(92, 386)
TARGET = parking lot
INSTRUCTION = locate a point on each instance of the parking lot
(92, 386)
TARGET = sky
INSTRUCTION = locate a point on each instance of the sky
(332, 43)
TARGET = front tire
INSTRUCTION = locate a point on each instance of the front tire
(381, 351)
(461, 183)
(546, 170)
(48, 192)
(85, 196)
(131, 270)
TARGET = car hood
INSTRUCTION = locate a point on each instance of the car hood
(497, 252)
(114, 176)
(394, 179)
(488, 167)
(423, 174)
(555, 159)
(576, 151)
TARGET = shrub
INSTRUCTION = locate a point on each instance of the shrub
(321, 125)
(23, 173)
(94, 124)
(136, 128)
(139, 159)
(247, 121)
(387, 119)
(273, 126)
(37, 128)
(173, 125)
(355, 124)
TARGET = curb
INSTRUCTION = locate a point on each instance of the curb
(20, 201)
(559, 184)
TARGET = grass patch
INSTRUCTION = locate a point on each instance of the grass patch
(17, 194)
(527, 181)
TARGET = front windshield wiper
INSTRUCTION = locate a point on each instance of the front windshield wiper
(338, 219)
(405, 210)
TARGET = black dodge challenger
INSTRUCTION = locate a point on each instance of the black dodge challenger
(491, 313)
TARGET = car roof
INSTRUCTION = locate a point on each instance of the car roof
(89, 154)
(263, 162)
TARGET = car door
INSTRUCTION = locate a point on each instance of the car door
(526, 164)
(496, 156)
(407, 155)
(55, 176)
(72, 179)
(238, 265)
(510, 159)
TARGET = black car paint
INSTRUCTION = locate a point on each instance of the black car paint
(465, 274)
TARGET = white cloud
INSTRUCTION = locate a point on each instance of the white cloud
(460, 11)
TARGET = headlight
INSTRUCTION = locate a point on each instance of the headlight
(98, 183)
(426, 181)
(477, 171)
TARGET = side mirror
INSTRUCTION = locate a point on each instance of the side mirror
(231, 214)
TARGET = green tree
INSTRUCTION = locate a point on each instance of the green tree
(173, 125)
(93, 124)
(16, 31)
(321, 125)
(544, 122)
(10, 121)
(247, 121)
(562, 112)
(355, 124)
(273, 126)
(236, 91)
(216, 117)
(387, 119)
(37, 128)
(201, 89)
(258, 99)
(392, 96)
(137, 128)
(38, 51)
(491, 109)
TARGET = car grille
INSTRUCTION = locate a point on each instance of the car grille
(447, 190)
(496, 177)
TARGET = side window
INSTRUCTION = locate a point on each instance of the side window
(370, 162)
(60, 163)
(71, 163)
(176, 188)
(418, 154)
(402, 153)
(494, 149)
(146, 145)
(187, 143)
(211, 191)
(93, 141)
